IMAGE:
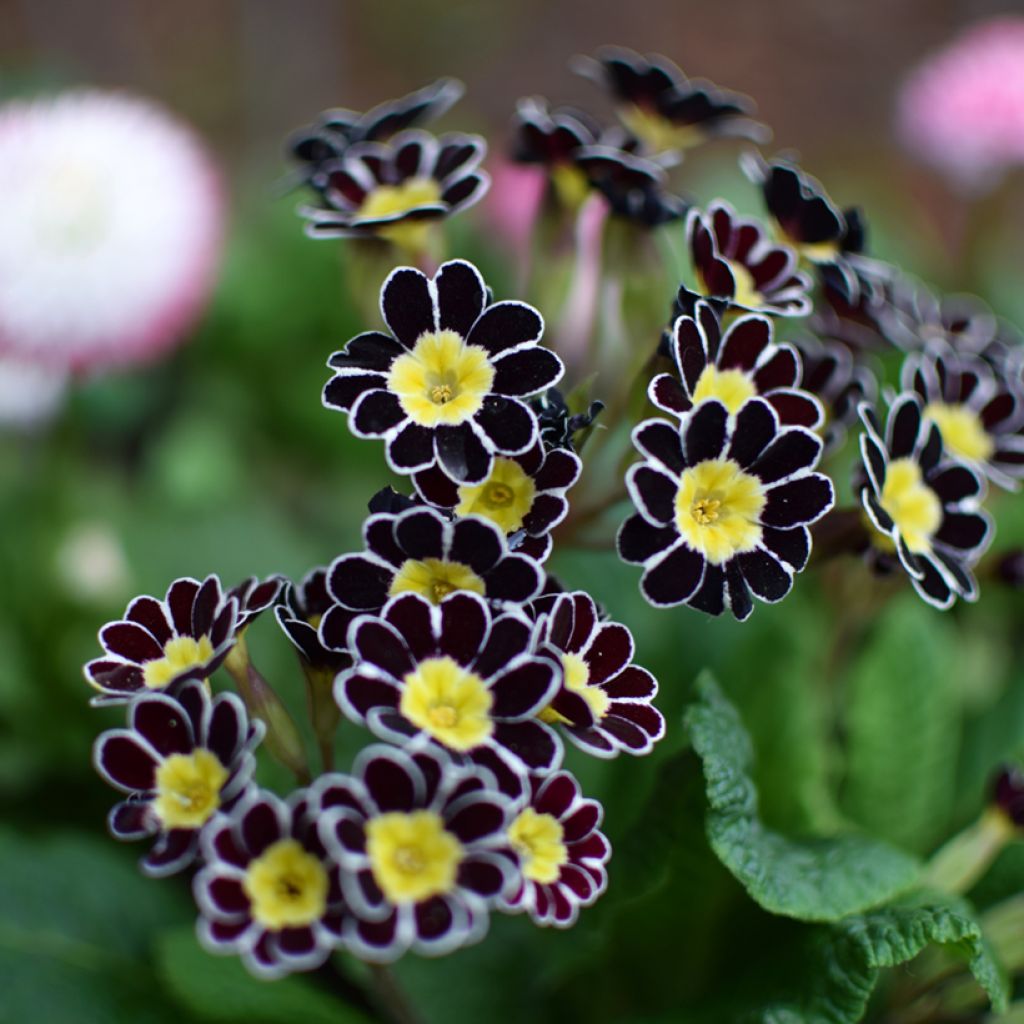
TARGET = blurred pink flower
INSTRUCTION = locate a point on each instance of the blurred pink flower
(112, 221)
(514, 201)
(962, 109)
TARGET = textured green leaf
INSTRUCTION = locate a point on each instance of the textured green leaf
(903, 727)
(219, 989)
(841, 962)
(816, 879)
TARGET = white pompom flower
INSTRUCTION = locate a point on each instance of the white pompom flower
(112, 220)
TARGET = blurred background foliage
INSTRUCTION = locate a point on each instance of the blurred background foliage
(221, 459)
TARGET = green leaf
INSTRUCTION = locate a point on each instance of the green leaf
(903, 727)
(840, 964)
(220, 989)
(76, 927)
(816, 879)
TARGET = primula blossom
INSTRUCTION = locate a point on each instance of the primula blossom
(112, 219)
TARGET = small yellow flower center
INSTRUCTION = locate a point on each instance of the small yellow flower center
(577, 679)
(188, 789)
(913, 506)
(412, 856)
(287, 886)
(962, 431)
(435, 579)
(442, 381)
(657, 132)
(393, 200)
(180, 654)
(505, 497)
(570, 185)
(718, 508)
(730, 387)
(539, 841)
(449, 702)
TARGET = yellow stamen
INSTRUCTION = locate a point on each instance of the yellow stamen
(188, 789)
(435, 579)
(412, 856)
(962, 431)
(913, 506)
(392, 200)
(577, 679)
(287, 886)
(539, 841)
(657, 132)
(180, 654)
(730, 387)
(505, 497)
(449, 702)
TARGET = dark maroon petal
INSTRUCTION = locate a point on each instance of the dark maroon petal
(434, 918)
(297, 942)
(792, 546)
(509, 637)
(661, 441)
(463, 192)
(379, 934)
(675, 578)
(560, 469)
(333, 634)
(461, 453)
(582, 821)
(531, 742)
(874, 460)
(149, 613)
(222, 628)
(526, 371)
(667, 393)
(483, 877)
(343, 390)
(632, 683)
(755, 428)
(227, 933)
(798, 502)
(357, 582)
(642, 715)
(411, 448)
(610, 652)
(376, 412)
(795, 407)
(419, 534)
(410, 615)
(791, 451)
(654, 493)
(380, 644)
(180, 597)
(705, 433)
(625, 733)
(227, 895)
(131, 642)
(464, 625)
(963, 530)
(227, 730)
(574, 879)
(710, 595)
(744, 342)
(904, 426)
(505, 325)
(953, 483)
(524, 690)
(259, 827)
(171, 852)
(461, 296)
(205, 606)
(365, 693)
(515, 578)
(125, 762)
(477, 543)
(638, 540)
(545, 512)
(556, 795)
(932, 585)
(764, 575)
(226, 848)
(372, 350)
(407, 306)
(476, 819)
(164, 725)
(434, 487)
(781, 371)
(131, 819)
(510, 425)
(390, 783)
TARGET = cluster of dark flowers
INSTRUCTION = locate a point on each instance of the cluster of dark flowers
(445, 636)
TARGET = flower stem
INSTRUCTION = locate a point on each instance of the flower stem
(968, 855)
(391, 997)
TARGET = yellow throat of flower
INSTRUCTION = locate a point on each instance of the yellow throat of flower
(962, 431)
(657, 132)
(577, 680)
(180, 654)
(435, 579)
(394, 200)
(188, 789)
(912, 505)
(505, 497)
(730, 387)
(412, 856)
(718, 508)
(442, 381)
(447, 701)
(539, 841)
(287, 886)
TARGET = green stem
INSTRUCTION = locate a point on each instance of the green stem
(391, 997)
(968, 855)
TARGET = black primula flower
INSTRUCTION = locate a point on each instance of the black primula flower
(423, 552)
(737, 264)
(634, 186)
(335, 130)
(839, 383)
(732, 366)
(724, 504)
(396, 190)
(924, 506)
(524, 495)
(458, 676)
(978, 412)
(915, 317)
(183, 758)
(665, 109)
(559, 426)
(300, 612)
(447, 386)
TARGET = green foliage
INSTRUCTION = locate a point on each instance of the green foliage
(902, 723)
(815, 879)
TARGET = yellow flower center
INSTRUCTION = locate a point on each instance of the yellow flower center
(505, 497)
(577, 679)
(717, 509)
(570, 185)
(539, 841)
(180, 654)
(962, 431)
(287, 886)
(442, 381)
(730, 387)
(913, 506)
(412, 856)
(746, 293)
(449, 702)
(392, 200)
(657, 132)
(435, 579)
(188, 789)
